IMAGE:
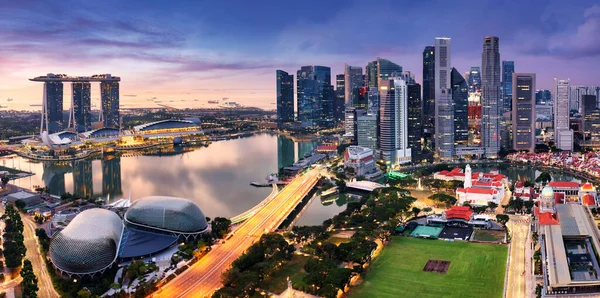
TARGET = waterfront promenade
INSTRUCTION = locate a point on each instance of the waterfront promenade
(204, 277)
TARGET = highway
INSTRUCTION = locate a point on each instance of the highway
(204, 277)
(46, 289)
(519, 268)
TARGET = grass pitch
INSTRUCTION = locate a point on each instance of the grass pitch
(476, 270)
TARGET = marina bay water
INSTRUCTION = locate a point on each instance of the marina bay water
(216, 177)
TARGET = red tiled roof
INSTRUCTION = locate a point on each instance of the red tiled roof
(547, 218)
(559, 197)
(459, 212)
(444, 172)
(587, 187)
(563, 184)
(519, 184)
(326, 148)
(588, 200)
(476, 190)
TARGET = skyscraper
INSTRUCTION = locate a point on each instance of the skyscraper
(444, 109)
(523, 111)
(366, 130)
(386, 68)
(52, 107)
(285, 97)
(80, 118)
(543, 97)
(393, 127)
(354, 81)
(429, 88)
(460, 99)
(491, 95)
(109, 92)
(563, 135)
(371, 74)
(508, 68)
(340, 97)
(474, 79)
(415, 120)
(314, 95)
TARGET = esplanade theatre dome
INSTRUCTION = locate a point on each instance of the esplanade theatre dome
(167, 214)
(89, 244)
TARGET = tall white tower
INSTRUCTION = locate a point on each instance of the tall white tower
(468, 177)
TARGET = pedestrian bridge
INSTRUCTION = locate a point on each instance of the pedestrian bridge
(364, 185)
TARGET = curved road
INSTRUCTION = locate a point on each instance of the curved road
(204, 277)
(46, 289)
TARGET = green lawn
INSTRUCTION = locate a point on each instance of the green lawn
(476, 270)
(294, 270)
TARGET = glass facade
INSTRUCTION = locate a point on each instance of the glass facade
(508, 68)
(415, 120)
(460, 100)
(429, 87)
(168, 214)
(474, 79)
(53, 106)
(340, 97)
(82, 106)
(89, 244)
(523, 114)
(109, 91)
(315, 96)
(491, 98)
(285, 97)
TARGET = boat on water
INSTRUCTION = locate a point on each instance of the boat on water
(213, 101)
(9, 99)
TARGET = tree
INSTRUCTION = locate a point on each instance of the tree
(529, 206)
(416, 211)
(516, 204)
(443, 199)
(220, 227)
(20, 204)
(543, 178)
(29, 282)
(427, 209)
(4, 180)
(492, 205)
(502, 219)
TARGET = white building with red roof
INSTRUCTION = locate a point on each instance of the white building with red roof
(568, 189)
(588, 195)
(479, 188)
(362, 160)
(522, 192)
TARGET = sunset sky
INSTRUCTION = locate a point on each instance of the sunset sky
(206, 50)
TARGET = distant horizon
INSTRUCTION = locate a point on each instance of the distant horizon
(216, 50)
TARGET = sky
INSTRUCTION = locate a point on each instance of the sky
(177, 52)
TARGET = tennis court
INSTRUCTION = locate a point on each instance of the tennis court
(426, 232)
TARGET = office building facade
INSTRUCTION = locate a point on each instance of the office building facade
(285, 97)
(460, 100)
(415, 120)
(393, 126)
(563, 135)
(429, 89)
(367, 130)
(508, 68)
(52, 107)
(444, 108)
(81, 113)
(474, 79)
(353, 82)
(340, 97)
(543, 97)
(314, 95)
(491, 96)
(523, 111)
(109, 92)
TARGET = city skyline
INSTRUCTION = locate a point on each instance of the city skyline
(204, 53)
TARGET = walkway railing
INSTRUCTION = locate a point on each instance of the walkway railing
(247, 214)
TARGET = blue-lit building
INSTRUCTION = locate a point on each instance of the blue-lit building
(460, 100)
(474, 79)
(53, 106)
(109, 91)
(285, 97)
(81, 110)
(315, 96)
(429, 88)
(508, 68)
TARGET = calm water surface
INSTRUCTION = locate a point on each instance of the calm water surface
(216, 177)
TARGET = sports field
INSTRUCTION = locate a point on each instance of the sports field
(476, 270)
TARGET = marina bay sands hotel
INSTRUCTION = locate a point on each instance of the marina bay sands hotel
(80, 115)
